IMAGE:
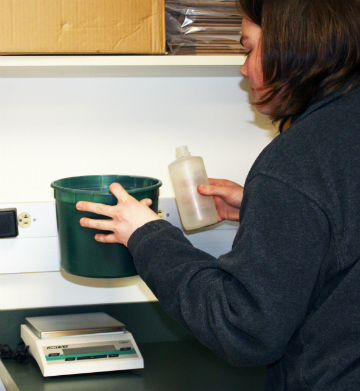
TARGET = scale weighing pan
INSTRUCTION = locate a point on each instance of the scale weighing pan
(80, 343)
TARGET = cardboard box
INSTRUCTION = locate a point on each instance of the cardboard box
(82, 26)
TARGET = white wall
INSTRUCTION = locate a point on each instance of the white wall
(54, 128)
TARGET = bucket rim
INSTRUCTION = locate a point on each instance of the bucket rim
(55, 186)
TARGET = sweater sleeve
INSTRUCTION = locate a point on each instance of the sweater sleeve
(246, 305)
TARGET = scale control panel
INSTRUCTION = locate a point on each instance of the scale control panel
(57, 354)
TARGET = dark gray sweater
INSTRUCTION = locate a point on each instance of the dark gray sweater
(288, 293)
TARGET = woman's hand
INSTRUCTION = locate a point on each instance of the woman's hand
(125, 217)
(227, 195)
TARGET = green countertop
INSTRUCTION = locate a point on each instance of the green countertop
(169, 366)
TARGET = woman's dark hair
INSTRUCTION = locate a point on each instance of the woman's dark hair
(310, 49)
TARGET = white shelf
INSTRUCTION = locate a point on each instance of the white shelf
(120, 66)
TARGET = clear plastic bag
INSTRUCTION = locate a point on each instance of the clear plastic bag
(203, 27)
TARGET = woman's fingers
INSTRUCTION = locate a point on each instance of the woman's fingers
(146, 202)
(106, 210)
(100, 209)
(231, 193)
(119, 192)
(125, 217)
(102, 225)
(111, 238)
(210, 190)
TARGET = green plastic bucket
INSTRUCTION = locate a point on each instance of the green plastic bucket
(80, 253)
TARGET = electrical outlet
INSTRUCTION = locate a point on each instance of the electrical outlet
(161, 214)
(24, 220)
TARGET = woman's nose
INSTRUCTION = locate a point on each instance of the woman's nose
(243, 70)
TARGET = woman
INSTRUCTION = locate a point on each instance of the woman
(288, 293)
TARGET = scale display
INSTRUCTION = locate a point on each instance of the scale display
(76, 349)
(65, 353)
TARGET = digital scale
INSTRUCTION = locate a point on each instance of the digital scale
(81, 343)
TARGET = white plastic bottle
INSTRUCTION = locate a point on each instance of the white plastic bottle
(187, 172)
